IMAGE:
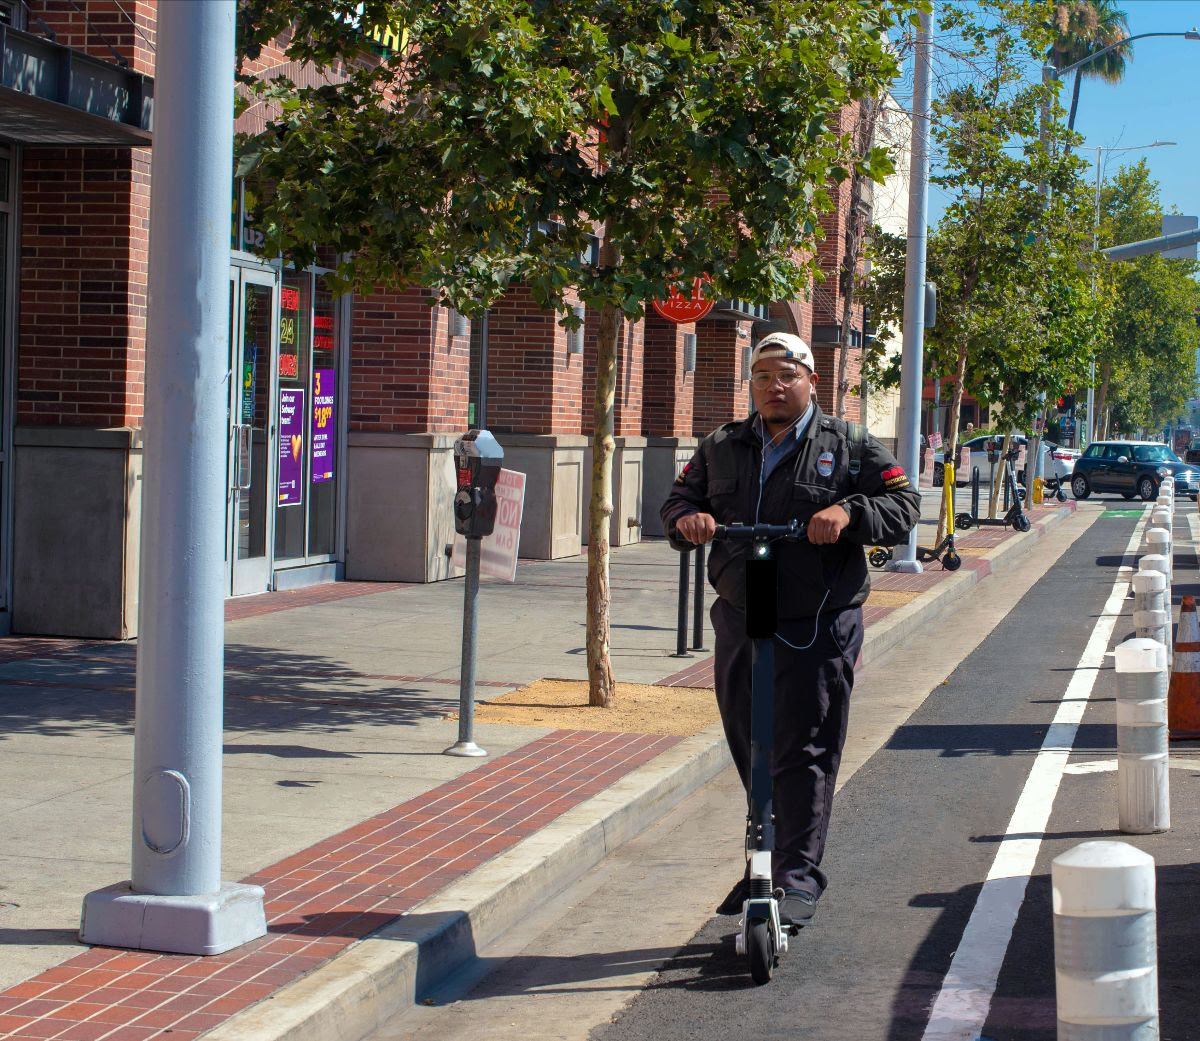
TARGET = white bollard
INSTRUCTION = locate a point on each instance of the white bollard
(1160, 517)
(1143, 781)
(1157, 563)
(1158, 541)
(1105, 949)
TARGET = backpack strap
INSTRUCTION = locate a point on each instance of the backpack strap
(856, 434)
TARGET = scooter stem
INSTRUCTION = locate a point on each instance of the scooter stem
(760, 824)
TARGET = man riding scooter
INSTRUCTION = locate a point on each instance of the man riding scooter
(789, 461)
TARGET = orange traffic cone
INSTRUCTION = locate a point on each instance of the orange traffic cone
(1183, 694)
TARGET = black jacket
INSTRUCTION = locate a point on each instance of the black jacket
(723, 479)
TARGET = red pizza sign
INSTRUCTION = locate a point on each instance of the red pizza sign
(682, 309)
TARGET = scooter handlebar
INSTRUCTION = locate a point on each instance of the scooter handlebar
(793, 529)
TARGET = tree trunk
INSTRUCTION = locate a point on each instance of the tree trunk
(864, 136)
(600, 510)
(998, 477)
(1100, 423)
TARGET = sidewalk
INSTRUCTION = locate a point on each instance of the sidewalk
(385, 863)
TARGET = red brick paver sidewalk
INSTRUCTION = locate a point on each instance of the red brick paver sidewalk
(325, 898)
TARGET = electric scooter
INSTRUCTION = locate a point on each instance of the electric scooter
(762, 937)
(951, 561)
(1015, 514)
(878, 556)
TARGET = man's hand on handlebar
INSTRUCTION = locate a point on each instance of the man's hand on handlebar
(697, 528)
(825, 526)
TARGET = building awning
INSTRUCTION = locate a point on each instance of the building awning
(53, 95)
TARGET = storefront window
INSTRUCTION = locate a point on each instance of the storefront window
(295, 341)
(323, 446)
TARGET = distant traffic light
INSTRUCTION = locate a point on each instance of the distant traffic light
(1066, 403)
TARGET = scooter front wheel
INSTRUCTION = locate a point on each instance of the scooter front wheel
(951, 561)
(878, 557)
(761, 951)
(1021, 522)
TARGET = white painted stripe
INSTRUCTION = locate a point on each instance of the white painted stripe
(961, 1007)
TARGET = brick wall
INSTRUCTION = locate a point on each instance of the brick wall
(84, 241)
(668, 390)
(534, 385)
(92, 26)
(722, 390)
(627, 401)
(407, 373)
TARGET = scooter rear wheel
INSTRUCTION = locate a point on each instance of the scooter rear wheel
(963, 520)
(761, 951)
(1021, 522)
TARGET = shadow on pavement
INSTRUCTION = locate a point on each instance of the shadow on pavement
(90, 693)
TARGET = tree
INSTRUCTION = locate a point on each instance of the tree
(692, 136)
(1147, 358)
(1083, 27)
(1016, 310)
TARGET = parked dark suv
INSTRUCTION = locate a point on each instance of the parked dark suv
(1131, 468)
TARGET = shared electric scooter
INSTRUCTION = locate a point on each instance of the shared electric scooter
(944, 550)
(762, 937)
(878, 556)
(1015, 515)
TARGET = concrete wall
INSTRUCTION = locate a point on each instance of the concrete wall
(627, 469)
(664, 458)
(76, 524)
(553, 520)
(399, 510)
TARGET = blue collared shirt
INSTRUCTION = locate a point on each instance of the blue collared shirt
(774, 452)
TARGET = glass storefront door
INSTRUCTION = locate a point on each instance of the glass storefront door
(253, 430)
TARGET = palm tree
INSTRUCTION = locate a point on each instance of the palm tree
(1085, 27)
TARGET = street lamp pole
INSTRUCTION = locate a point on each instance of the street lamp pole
(1059, 74)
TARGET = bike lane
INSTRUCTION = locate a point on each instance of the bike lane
(915, 834)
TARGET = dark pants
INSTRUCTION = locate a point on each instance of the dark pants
(812, 709)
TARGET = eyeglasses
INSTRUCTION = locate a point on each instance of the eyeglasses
(786, 377)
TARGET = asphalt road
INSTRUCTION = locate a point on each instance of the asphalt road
(915, 831)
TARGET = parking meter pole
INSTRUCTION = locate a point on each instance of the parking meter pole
(465, 746)
(911, 378)
(681, 621)
(477, 461)
(175, 900)
(698, 602)
(975, 492)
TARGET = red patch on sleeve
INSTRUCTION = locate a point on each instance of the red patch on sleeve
(683, 473)
(893, 471)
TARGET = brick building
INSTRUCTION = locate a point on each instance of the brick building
(342, 411)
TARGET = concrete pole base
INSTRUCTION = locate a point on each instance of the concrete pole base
(213, 923)
(465, 748)
(905, 567)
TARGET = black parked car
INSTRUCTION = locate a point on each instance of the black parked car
(1131, 468)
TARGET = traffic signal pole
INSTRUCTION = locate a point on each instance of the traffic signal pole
(175, 900)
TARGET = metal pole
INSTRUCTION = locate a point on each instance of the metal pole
(175, 900)
(911, 362)
(698, 602)
(465, 746)
(681, 625)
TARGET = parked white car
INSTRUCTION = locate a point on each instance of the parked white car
(1056, 461)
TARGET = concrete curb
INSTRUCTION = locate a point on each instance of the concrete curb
(359, 990)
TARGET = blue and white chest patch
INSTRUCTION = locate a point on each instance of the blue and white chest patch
(825, 464)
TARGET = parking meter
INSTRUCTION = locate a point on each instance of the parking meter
(993, 451)
(477, 461)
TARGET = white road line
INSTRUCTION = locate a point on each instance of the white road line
(961, 1007)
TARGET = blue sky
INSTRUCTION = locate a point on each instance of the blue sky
(1158, 100)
